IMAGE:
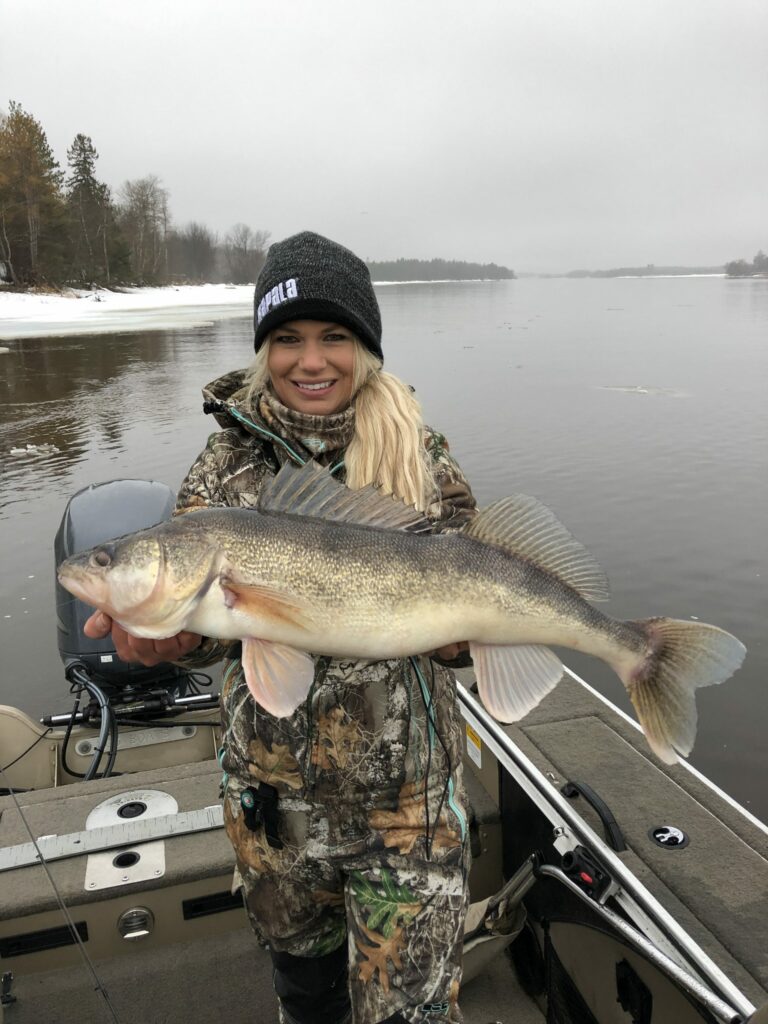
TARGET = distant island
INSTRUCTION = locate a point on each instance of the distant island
(736, 268)
(741, 268)
(650, 270)
(437, 270)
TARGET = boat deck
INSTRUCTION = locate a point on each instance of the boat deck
(234, 985)
(206, 965)
(717, 885)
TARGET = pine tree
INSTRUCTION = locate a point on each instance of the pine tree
(99, 253)
(33, 240)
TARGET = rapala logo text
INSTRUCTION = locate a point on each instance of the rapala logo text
(280, 293)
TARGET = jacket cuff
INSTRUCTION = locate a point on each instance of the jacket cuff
(208, 652)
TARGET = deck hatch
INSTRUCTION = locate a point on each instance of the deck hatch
(213, 903)
(40, 941)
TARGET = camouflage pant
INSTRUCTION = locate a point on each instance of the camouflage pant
(380, 872)
(400, 920)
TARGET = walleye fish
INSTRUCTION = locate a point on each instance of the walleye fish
(317, 567)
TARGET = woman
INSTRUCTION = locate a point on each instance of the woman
(347, 817)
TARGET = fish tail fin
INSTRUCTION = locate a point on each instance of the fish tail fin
(680, 656)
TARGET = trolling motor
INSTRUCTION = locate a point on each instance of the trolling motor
(117, 688)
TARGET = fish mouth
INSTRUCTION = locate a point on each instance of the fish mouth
(75, 582)
(86, 588)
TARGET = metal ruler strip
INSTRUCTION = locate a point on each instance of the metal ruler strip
(130, 833)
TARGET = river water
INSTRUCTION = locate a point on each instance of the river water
(634, 408)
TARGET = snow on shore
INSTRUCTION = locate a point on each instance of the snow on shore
(29, 315)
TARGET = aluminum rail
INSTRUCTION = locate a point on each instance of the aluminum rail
(716, 1006)
(560, 812)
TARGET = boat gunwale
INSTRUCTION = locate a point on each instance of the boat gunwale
(556, 807)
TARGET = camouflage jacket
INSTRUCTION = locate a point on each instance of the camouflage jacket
(362, 737)
(236, 459)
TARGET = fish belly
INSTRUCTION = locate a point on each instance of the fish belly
(356, 628)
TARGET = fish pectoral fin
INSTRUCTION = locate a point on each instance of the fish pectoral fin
(264, 601)
(279, 677)
(512, 680)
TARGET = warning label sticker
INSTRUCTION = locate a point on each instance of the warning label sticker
(474, 747)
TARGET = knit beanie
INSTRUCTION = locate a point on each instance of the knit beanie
(308, 277)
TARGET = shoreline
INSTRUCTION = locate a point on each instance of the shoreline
(98, 311)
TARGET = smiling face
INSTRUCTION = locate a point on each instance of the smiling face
(311, 366)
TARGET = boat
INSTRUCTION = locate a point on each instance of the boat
(606, 886)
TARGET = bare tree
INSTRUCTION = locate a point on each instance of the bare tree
(192, 253)
(244, 251)
(145, 221)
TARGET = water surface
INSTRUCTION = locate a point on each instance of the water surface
(635, 408)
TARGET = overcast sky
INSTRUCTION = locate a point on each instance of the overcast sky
(544, 135)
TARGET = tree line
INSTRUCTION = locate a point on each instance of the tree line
(741, 268)
(436, 270)
(650, 270)
(65, 227)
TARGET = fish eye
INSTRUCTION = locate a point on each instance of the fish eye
(102, 557)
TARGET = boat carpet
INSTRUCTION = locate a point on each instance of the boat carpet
(223, 978)
(717, 885)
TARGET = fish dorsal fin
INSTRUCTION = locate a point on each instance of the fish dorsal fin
(310, 490)
(524, 527)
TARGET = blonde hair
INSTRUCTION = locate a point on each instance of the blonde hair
(387, 447)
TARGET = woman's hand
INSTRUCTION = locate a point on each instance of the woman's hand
(140, 649)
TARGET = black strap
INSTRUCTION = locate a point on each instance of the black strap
(259, 805)
(213, 405)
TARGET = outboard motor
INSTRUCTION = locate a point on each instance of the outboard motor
(95, 514)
